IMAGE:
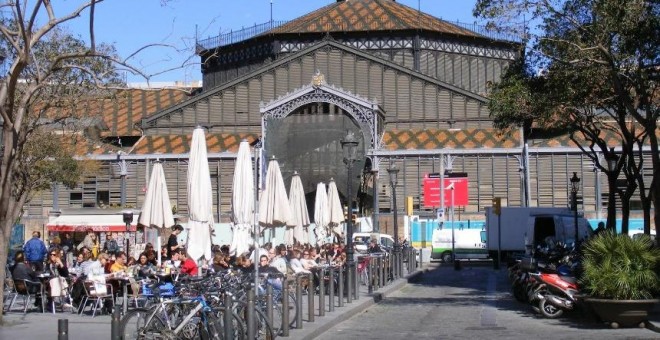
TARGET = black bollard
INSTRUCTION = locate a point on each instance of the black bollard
(341, 286)
(380, 271)
(228, 320)
(310, 298)
(321, 292)
(115, 332)
(63, 329)
(331, 288)
(269, 304)
(349, 282)
(251, 325)
(356, 284)
(370, 275)
(285, 306)
(299, 324)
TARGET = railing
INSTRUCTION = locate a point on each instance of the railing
(338, 25)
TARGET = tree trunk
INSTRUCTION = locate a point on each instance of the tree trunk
(611, 202)
(625, 212)
(6, 225)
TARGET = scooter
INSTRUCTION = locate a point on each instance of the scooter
(557, 292)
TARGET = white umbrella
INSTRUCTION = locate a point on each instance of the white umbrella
(200, 203)
(242, 200)
(157, 209)
(321, 214)
(274, 205)
(298, 210)
(335, 208)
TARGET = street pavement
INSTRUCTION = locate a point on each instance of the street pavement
(35, 325)
(472, 303)
(436, 302)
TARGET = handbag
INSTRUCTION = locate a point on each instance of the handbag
(58, 286)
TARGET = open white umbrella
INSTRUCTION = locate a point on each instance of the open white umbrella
(335, 208)
(321, 214)
(242, 200)
(298, 210)
(157, 209)
(274, 208)
(200, 203)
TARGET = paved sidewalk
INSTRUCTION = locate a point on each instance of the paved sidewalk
(44, 326)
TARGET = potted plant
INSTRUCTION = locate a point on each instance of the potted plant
(620, 277)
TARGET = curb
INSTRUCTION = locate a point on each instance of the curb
(366, 301)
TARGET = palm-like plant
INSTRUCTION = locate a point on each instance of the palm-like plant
(621, 268)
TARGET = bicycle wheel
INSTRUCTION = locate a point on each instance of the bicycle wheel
(217, 325)
(264, 329)
(134, 325)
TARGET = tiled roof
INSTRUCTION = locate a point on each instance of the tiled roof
(121, 113)
(179, 144)
(369, 15)
(85, 146)
(429, 139)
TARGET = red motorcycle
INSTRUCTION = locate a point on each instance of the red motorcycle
(556, 292)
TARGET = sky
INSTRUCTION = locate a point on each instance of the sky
(132, 24)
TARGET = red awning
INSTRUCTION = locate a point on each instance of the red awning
(98, 223)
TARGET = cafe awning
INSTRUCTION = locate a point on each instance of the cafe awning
(98, 223)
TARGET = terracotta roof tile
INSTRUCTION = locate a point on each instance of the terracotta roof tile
(180, 144)
(429, 139)
(371, 15)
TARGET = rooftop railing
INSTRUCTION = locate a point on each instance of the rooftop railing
(386, 22)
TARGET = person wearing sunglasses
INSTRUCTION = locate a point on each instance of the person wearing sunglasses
(56, 266)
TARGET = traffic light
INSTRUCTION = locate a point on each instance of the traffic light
(409, 205)
(497, 205)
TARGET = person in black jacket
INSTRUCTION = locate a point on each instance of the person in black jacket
(22, 271)
(172, 243)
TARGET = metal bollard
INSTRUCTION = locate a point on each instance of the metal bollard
(298, 302)
(381, 270)
(370, 276)
(341, 286)
(310, 298)
(356, 284)
(115, 332)
(321, 292)
(228, 316)
(269, 304)
(251, 326)
(349, 282)
(63, 330)
(331, 288)
(285, 307)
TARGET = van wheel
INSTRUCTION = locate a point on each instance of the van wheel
(446, 257)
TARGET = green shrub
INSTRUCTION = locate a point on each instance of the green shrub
(619, 267)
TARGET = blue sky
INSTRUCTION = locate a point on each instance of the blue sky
(131, 24)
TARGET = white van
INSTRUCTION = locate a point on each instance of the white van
(361, 241)
(468, 244)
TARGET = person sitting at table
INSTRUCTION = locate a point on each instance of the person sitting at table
(55, 265)
(188, 265)
(273, 275)
(96, 267)
(220, 262)
(23, 271)
(120, 263)
(244, 265)
(144, 267)
(307, 262)
(296, 263)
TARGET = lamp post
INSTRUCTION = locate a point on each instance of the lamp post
(128, 219)
(612, 163)
(575, 186)
(393, 171)
(349, 146)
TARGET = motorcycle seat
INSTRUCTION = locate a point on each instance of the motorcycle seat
(569, 279)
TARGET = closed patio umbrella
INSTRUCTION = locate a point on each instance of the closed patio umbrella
(299, 212)
(157, 209)
(274, 208)
(335, 208)
(242, 200)
(200, 204)
(321, 214)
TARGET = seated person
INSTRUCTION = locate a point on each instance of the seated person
(220, 262)
(120, 263)
(96, 267)
(274, 276)
(188, 265)
(144, 268)
(374, 247)
(244, 264)
(23, 271)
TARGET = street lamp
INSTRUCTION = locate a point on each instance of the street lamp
(393, 171)
(349, 145)
(575, 186)
(612, 160)
(128, 219)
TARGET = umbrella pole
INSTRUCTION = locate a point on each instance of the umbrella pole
(255, 227)
(160, 250)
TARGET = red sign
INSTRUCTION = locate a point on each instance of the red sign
(432, 191)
